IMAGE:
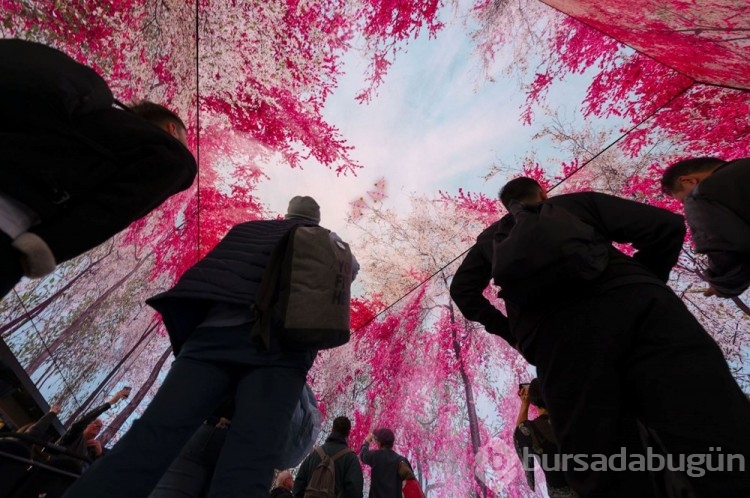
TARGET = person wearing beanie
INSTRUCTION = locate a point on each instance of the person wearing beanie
(209, 316)
(349, 480)
(305, 208)
(385, 481)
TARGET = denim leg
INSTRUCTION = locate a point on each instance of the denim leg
(265, 402)
(190, 392)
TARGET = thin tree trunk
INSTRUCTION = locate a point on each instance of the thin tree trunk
(45, 353)
(7, 329)
(471, 407)
(135, 401)
(87, 402)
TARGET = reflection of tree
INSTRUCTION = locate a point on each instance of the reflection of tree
(419, 367)
(7, 328)
(85, 404)
(86, 316)
(134, 401)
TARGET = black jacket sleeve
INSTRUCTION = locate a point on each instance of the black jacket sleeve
(77, 428)
(470, 281)
(139, 187)
(656, 234)
(353, 479)
(39, 429)
(720, 234)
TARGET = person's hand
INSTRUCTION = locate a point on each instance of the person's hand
(370, 438)
(121, 394)
(223, 423)
(55, 409)
(95, 446)
(523, 393)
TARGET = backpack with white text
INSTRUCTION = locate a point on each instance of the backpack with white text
(303, 298)
(322, 483)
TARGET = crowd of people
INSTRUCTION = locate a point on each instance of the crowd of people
(621, 362)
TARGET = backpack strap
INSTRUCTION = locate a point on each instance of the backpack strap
(320, 452)
(341, 453)
(262, 312)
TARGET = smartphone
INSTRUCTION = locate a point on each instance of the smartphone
(524, 385)
(128, 389)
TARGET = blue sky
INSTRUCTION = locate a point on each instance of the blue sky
(433, 125)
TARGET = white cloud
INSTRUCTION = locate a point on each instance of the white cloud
(429, 128)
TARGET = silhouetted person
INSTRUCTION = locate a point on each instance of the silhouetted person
(349, 480)
(209, 317)
(384, 478)
(619, 347)
(716, 195)
(75, 170)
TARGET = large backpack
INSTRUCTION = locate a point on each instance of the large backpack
(303, 298)
(548, 250)
(322, 483)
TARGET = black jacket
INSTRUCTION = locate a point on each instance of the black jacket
(718, 212)
(655, 233)
(231, 273)
(280, 493)
(349, 480)
(385, 482)
(86, 169)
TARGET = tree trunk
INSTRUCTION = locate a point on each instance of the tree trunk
(87, 402)
(471, 407)
(108, 433)
(45, 353)
(8, 328)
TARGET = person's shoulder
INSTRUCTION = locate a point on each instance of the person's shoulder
(504, 223)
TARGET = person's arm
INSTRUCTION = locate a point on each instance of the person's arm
(468, 285)
(139, 186)
(39, 429)
(78, 427)
(728, 273)
(522, 444)
(655, 233)
(724, 238)
(354, 482)
(523, 411)
(364, 452)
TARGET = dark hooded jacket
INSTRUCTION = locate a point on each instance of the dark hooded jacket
(230, 273)
(718, 213)
(656, 235)
(86, 169)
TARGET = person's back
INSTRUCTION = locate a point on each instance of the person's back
(348, 471)
(623, 348)
(210, 322)
(656, 235)
(75, 170)
(385, 481)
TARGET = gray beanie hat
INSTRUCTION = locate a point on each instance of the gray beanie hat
(303, 207)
